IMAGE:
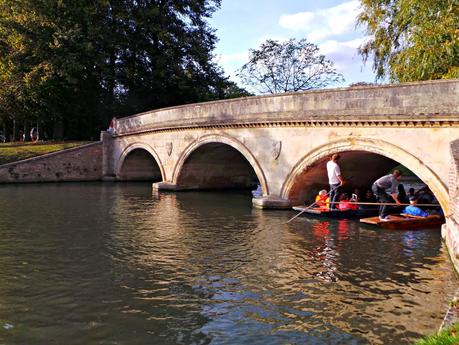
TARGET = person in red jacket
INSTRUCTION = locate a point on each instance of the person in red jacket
(344, 203)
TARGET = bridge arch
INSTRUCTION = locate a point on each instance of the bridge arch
(213, 139)
(367, 145)
(142, 156)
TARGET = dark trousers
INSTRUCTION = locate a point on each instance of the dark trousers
(334, 192)
(382, 197)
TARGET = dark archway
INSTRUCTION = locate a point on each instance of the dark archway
(360, 168)
(216, 166)
(139, 165)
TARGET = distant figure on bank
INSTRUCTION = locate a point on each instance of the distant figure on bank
(334, 179)
(379, 187)
(323, 200)
(413, 210)
(34, 134)
(111, 126)
(344, 203)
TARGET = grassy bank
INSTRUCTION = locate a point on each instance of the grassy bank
(449, 336)
(12, 152)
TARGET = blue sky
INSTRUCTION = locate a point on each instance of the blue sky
(330, 24)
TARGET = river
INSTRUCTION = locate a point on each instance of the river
(110, 263)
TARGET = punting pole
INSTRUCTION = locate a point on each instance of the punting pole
(386, 204)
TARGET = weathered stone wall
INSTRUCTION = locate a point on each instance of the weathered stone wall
(450, 230)
(83, 163)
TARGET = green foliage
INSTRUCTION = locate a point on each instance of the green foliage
(448, 336)
(412, 39)
(81, 62)
(288, 66)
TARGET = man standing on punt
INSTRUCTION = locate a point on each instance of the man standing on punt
(379, 187)
(334, 179)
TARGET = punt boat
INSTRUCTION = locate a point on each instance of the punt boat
(406, 222)
(348, 214)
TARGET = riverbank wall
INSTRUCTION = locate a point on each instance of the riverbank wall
(82, 163)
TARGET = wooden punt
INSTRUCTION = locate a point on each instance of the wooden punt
(406, 222)
(349, 214)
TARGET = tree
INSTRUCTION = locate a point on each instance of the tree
(76, 64)
(411, 39)
(288, 66)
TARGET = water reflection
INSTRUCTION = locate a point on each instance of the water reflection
(114, 263)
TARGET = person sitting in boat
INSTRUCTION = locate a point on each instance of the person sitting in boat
(323, 200)
(369, 197)
(345, 203)
(257, 193)
(425, 196)
(355, 197)
(401, 196)
(414, 210)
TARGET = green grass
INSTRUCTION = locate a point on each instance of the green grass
(12, 152)
(449, 336)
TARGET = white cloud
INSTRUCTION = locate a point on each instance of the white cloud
(347, 60)
(297, 21)
(323, 23)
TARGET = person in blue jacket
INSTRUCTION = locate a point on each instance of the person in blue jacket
(413, 210)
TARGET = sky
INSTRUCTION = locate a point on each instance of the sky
(330, 24)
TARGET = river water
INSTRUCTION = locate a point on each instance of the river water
(116, 264)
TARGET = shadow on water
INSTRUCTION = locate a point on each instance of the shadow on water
(114, 263)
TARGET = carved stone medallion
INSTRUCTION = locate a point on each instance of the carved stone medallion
(276, 149)
(169, 148)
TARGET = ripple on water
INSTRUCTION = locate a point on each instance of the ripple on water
(103, 264)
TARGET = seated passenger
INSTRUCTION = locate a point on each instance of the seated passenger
(344, 203)
(355, 197)
(369, 196)
(323, 200)
(401, 196)
(413, 210)
(425, 196)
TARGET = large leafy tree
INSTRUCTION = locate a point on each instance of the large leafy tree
(293, 65)
(78, 63)
(412, 39)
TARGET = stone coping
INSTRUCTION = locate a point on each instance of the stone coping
(430, 101)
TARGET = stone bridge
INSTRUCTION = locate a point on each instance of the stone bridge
(283, 141)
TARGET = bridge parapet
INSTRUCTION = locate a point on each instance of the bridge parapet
(407, 105)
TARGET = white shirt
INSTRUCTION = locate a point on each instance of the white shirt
(333, 172)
